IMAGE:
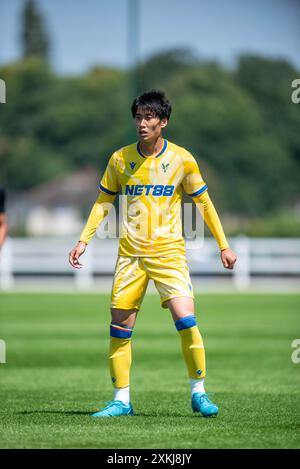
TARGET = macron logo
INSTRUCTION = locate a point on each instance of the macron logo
(132, 164)
(147, 189)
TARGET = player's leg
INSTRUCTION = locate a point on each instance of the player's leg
(182, 310)
(129, 286)
(172, 280)
(121, 327)
(120, 356)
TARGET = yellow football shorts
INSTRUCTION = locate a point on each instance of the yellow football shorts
(132, 274)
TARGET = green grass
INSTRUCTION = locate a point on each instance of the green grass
(56, 374)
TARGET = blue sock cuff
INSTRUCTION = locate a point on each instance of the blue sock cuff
(185, 323)
(120, 332)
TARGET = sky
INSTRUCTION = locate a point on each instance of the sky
(88, 32)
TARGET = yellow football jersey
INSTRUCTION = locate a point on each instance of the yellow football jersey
(151, 190)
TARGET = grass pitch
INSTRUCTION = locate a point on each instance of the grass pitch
(57, 374)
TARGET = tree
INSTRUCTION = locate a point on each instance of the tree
(157, 70)
(269, 83)
(34, 36)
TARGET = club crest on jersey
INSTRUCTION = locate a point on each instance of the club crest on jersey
(132, 164)
(165, 167)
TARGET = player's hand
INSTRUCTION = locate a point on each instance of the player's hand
(76, 253)
(228, 258)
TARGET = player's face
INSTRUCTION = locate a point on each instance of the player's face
(148, 125)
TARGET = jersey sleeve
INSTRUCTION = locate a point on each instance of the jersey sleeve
(192, 182)
(109, 182)
(99, 211)
(211, 218)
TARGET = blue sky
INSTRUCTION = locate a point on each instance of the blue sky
(89, 32)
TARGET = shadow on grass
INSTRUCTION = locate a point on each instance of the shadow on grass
(65, 412)
(80, 412)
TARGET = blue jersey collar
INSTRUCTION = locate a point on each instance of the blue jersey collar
(159, 154)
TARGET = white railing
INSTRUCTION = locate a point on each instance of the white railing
(49, 257)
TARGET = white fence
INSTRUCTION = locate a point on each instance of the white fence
(45, 257)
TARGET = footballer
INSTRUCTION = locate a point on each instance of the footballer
(152, 175)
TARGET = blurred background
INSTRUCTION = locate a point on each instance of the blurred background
(71, 70)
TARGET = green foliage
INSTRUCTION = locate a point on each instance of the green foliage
(29, 84)
(53, 124)
(26, 159)
(281, 224)
(269, 82)
(27, 163)
(35, 40)
(241, 125)
(158, 70)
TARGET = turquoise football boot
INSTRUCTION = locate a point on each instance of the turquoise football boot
(202, 404)
(114, 409)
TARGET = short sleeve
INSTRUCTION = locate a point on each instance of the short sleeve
(192, 182)
(109, 182)
(2, 200)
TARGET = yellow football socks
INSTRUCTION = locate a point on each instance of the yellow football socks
(120, 354)
(192, 346)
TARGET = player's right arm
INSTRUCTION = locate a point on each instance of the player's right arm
(3, 229)
(109, 188)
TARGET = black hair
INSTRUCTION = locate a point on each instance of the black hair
(155, 101)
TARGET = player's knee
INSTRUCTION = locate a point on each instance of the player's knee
(123, 317)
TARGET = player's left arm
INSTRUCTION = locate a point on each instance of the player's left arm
(194, 186)
(211, 218)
